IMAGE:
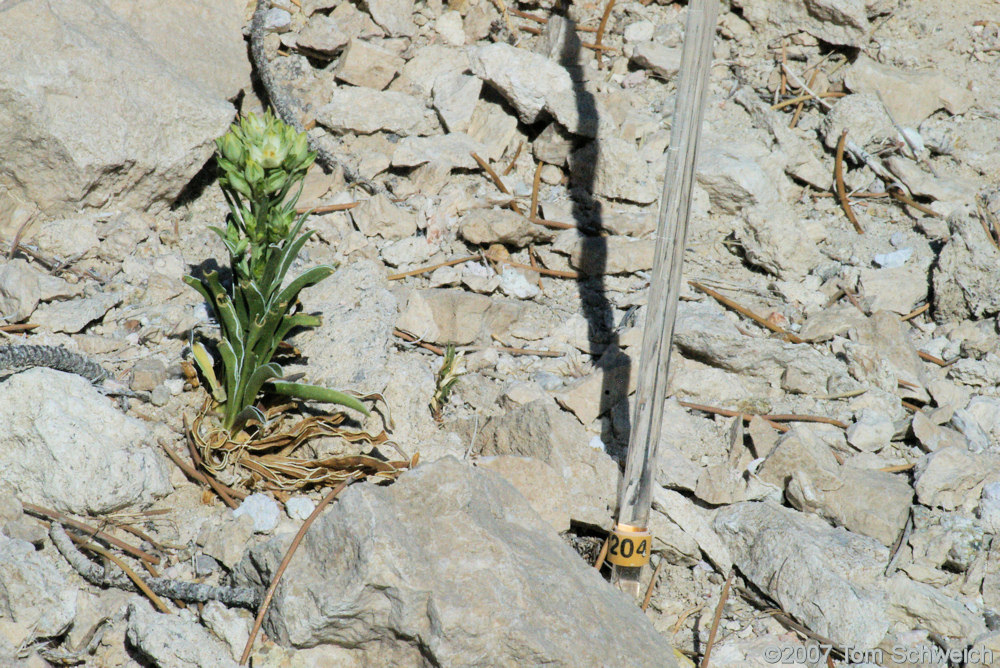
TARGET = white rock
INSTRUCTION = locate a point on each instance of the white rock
(640, 31)
(894, 259)
(262, 509)
(277, 20)
(532, 84)
(365, 110)
(174, 640)
(364, 64)
(33, 592)
(449, 26)
(514, 283)
(393, 15)
(300, 507)
(455, 97)
(454, 149)
(871, 432)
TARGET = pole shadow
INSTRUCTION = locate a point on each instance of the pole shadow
(588, 215)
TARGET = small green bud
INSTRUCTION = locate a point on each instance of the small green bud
(237, 183)
(231, 148)
(275, 182)
(298, 152)
(253, 173)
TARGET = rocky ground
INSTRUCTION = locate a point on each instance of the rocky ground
(840, 451)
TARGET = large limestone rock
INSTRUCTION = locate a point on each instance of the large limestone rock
(91, 115)
(449, 566)
(65, 446)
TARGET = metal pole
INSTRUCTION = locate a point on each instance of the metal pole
(627, 551)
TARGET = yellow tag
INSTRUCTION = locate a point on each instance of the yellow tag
(630, 546)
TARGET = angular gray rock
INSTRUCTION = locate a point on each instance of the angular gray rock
(446, 566)
(174, 640)
(541, 430)
(455, 316)
(65, 446)
(843, 22)
(964, 285)
(500, 226)
(203, 40)
(350, 348)
(828, 579)
(532, 84)
(92, 116)
(366, 110)
(612, 167)
(33, 592)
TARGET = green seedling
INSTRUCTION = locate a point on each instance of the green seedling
(447, 378)
(263, 162)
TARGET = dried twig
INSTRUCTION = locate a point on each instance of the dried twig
(326, 208)
(513, 160)
(284, 564)
(915, 312)
(603, 553)
(763, 322)
(424, 270)
(600, 30)
(535, 264)
(184, 591)
(773, 418)
(406, 336)
(799, 99)
(14, 329)
(990, 223)
(717, 618)
(652, 584)
(897, 194)
(535, 185)
(838, 176)
(927, 357)
(90, 531)
(725, 412)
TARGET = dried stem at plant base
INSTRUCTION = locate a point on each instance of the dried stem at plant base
(265, 455)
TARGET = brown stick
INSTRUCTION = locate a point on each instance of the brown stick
(603, 554)
(838, 176)
(652, 584)
(553, 224)
(132, 575)
(91, 531)
(327, 208)
(986, 227)
(915, 312)
(600, 30)
(898, 468)
(763, 322)
(799, 99)
(530, 17)
(424, 270)
(224, 492)
(406, 336)
(513, 161)
(725, 412)
(718, 617)
(898, 195)
(284, 564)
(497, 181)
(770, 417)
(542, 270)
(934, 360)
(13, 329)
(535, 185)
(198, 476)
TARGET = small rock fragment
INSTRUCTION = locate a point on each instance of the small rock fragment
(262, 509)
(364, 64)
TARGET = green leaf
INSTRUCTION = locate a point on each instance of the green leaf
(317, 393)
(257, 380)
(231, 365)
(207, 365)
(304, 280)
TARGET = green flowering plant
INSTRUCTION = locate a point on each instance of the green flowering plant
(262, 160)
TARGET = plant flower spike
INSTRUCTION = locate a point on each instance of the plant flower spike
(262, 160)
